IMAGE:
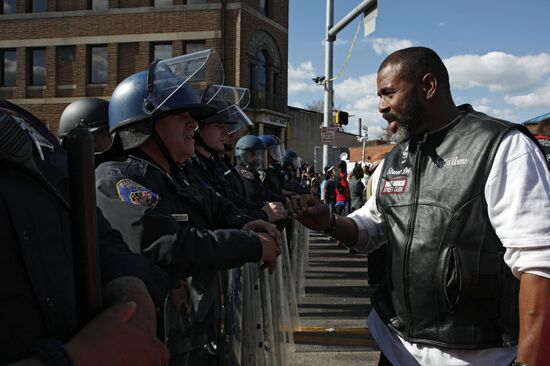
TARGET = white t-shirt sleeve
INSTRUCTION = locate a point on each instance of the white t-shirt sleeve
(371, 227)
(518, 200)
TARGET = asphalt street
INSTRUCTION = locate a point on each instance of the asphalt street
(334, 309)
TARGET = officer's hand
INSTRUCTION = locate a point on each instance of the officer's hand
(110, 339)
(310, 211)
(275, 211)
(260, 226)
(270, 251)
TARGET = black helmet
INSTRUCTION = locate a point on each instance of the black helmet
(291, 158)
(90, 113)
(249, 152)
(142, 98)
(275, 150)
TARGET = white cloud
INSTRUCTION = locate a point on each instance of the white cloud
(498, 71)
(358, 97)
(297, 104)
(538, 98)
(338, 42)
(299, 78)
(388, 45)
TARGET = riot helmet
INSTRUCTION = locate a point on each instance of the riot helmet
(249, 152)
(230, 101)
(291, 158)
(89, 113)
(275, 150)
(230, 118)
(167, 87)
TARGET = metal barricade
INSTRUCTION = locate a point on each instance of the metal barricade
(300, 258)
(268, 312)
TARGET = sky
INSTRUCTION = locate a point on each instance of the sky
(497, 54)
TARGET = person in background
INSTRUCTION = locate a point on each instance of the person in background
(356, 188)
(342, 189)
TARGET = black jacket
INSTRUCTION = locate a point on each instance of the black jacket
(211, 172)
(356, 188)
(185, 228)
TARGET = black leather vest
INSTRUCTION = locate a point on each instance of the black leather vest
(448, 284)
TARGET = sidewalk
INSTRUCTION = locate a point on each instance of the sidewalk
(334, 310)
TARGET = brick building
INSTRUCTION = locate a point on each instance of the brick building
(55, 51)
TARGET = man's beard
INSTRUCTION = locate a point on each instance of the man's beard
(410, 118)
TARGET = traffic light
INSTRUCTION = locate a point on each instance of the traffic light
(342, 118)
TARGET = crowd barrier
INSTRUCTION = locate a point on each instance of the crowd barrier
(264, 306)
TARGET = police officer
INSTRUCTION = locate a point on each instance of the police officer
(275, 176)
(210, 140)
(147, 195)
(249, 152)
(37, 308)
(90, 113)
(292, 164)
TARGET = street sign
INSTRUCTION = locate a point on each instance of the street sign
(369, 18)
(327, 135)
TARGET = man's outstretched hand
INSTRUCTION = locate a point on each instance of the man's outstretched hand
(310, 211)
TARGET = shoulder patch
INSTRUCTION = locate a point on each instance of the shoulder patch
(245, 173)
(134, 193)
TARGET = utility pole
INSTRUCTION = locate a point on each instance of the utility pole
(366, 7)
(329, 46)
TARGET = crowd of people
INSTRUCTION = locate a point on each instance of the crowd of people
(460, 237)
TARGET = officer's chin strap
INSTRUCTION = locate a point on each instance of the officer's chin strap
(199, 140)
(174, 169)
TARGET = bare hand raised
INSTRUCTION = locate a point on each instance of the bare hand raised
(275, 211)
(310, 211)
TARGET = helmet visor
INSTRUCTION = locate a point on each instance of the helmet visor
(254, 158)
(275, 153)
(230, 102)
(166, 77)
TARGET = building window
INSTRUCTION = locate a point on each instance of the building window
(98, 65)
(38, 66)
(100, 4)
(66, 53)
(8, 67)
(192, 2)
(264, 7)
(39, 6)
(162, 51)
(8, 7)
(261, 81)
(163, 3)
(191, 47)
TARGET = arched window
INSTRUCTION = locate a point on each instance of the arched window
(262, 80)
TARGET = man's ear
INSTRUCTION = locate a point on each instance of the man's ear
(429, 86)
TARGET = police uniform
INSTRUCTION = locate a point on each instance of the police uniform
(171, 220)
(214, 176)
(255, 191)
(37, 279)
(294, 184)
